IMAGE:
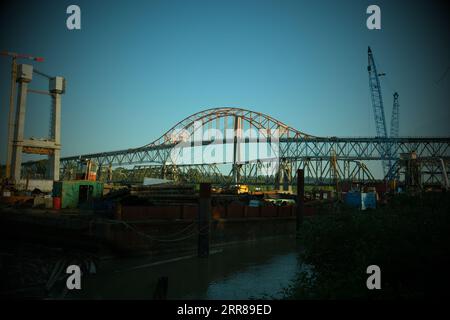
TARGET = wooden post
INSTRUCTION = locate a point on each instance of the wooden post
(204, 215)
(300, 198)
(161, 289)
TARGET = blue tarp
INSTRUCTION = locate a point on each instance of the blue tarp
(353, 199)
(360, 200)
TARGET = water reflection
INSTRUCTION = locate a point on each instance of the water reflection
(254, 270)
(261, 281)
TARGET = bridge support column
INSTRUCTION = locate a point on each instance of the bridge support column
(24, 78)
(110, 173)
(204, 215)
(284, 177)
(236, 148)
(56, 88)
(51, 146)
(99, 172)
(287, 180)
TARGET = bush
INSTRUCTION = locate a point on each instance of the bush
(408, 239)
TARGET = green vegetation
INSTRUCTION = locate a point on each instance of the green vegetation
(409, 239)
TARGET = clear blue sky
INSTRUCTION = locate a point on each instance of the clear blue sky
(138, 67)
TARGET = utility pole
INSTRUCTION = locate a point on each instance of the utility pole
(11, 124)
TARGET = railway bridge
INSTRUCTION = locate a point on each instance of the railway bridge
(235, 145)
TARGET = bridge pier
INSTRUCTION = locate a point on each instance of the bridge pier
(24, 78)
(284, 179)
(236, 148)
(50, 146)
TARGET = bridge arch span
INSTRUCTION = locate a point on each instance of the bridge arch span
(257, 120)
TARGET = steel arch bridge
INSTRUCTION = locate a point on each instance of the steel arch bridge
(231, 132)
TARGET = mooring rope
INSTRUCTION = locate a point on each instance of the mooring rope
(166, 238)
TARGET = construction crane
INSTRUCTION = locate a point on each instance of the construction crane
(14, 57)
(378, 108)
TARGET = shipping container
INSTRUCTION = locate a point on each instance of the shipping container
(73, 193)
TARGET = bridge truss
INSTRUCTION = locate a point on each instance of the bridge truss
(236, 130)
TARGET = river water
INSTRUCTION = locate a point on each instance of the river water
(255, 270)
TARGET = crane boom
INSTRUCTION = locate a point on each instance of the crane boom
(378, 108)
(395, 117)
(395, 124)
(377, 99)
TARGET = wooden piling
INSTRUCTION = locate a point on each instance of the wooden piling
(161, 289)
(300, 199)
(204, 216)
